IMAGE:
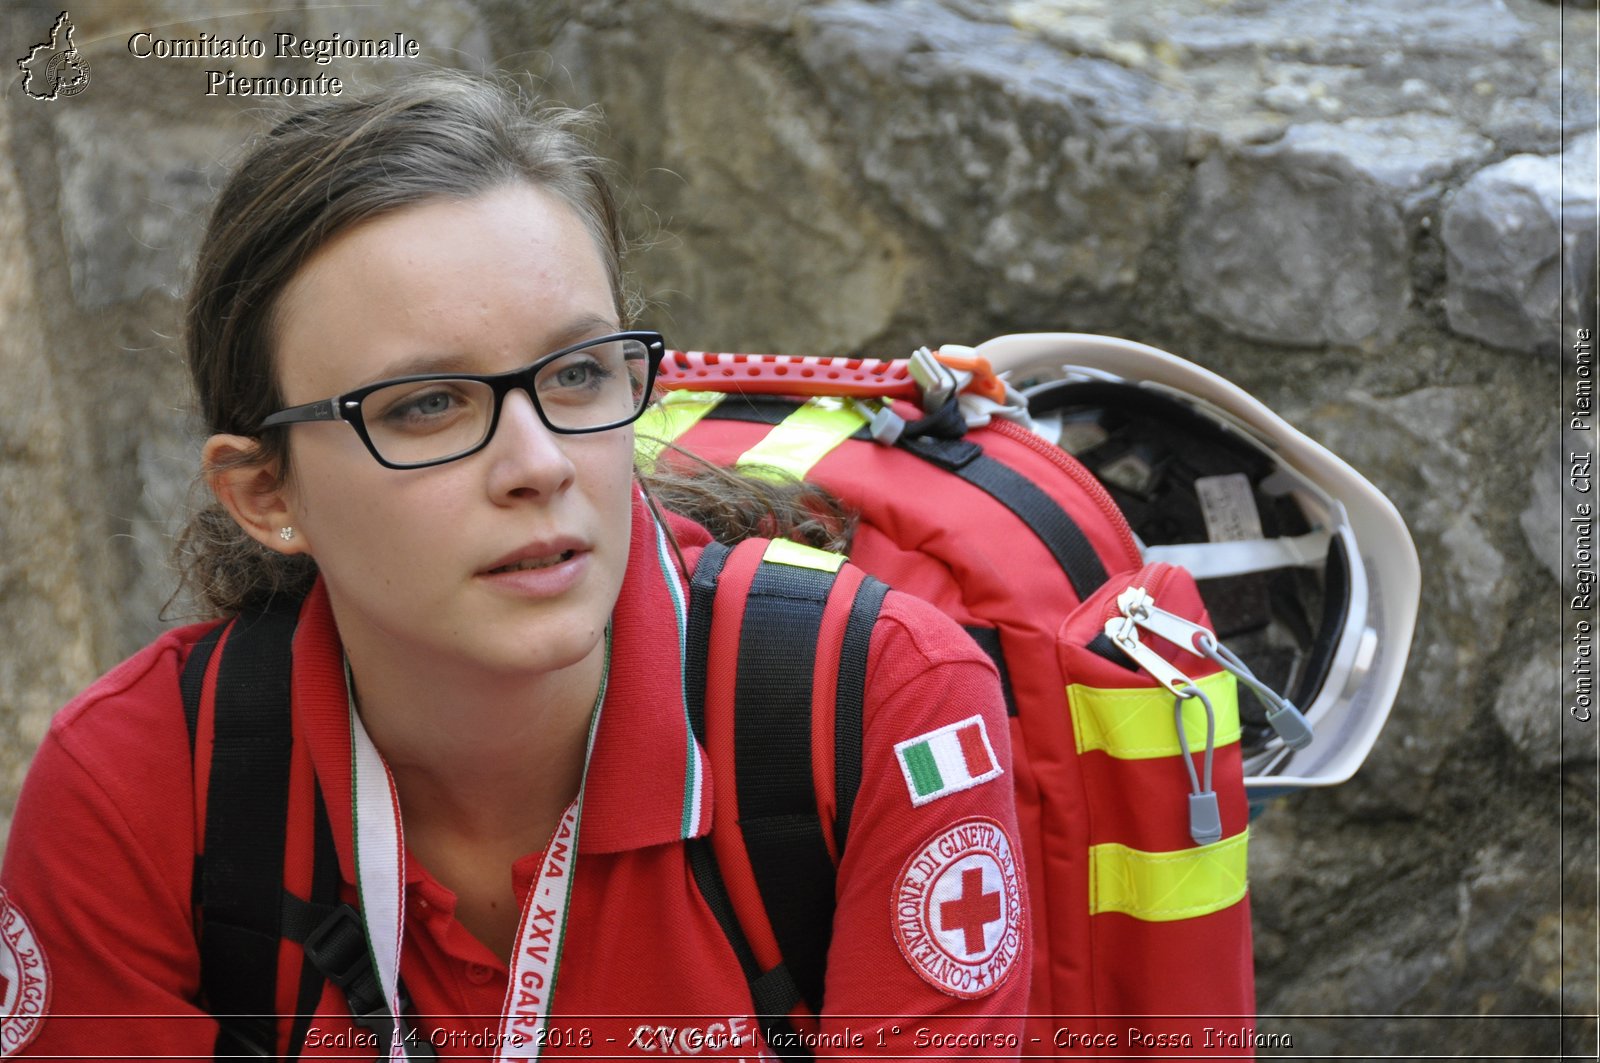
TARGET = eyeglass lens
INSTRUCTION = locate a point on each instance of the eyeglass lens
(588, 389)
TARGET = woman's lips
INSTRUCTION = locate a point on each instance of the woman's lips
(540, 573)
(530, 564)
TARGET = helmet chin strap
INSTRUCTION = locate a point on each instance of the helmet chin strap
(1242, 556)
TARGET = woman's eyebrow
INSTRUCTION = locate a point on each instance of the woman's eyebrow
(586, 327)
(589, 326)
(417, 365)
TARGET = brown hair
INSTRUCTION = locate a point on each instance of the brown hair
(762, 502)
(329, 167)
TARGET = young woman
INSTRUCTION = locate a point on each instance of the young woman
(486, 685)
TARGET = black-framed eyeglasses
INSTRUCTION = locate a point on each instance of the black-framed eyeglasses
(415, 421)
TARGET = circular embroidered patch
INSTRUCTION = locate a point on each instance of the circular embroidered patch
(958, 909)
(24, 980)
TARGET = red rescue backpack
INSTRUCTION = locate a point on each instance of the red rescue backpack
(1129, 731)
(1134, 825)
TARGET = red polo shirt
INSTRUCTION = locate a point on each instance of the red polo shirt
(97, 946)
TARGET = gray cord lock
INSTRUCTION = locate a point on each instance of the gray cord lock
(1289, 722)
(1291, 725)
(1205, 818)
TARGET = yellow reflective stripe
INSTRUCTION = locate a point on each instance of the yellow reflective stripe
(1137, 723)
(666, 420)
(804, 438)
(799, 555)
(1161, 887)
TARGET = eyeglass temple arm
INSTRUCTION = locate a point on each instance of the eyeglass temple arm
(324, 410)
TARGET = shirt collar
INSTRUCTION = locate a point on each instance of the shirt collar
(649, 779)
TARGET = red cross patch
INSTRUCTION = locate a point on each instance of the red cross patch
(24, 980)
(958, 912)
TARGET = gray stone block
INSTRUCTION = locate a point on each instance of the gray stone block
(1530, 712)
(1541, 518)
(1046, 171)
(1341, 32)
(1520, 239)
(1305, 240)
(770, 245)
(1295, 247)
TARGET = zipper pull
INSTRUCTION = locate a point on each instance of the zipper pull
(1205, 818)
(1124, 633)
(1289, 722)
(1136, 603)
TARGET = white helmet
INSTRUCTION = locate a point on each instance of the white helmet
(1307, 569)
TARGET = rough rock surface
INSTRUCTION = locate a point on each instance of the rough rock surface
(1372, 214)
(1520, 236)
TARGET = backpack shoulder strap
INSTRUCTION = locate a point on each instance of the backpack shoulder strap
(243, 906)
(803, 633)
(240, 877)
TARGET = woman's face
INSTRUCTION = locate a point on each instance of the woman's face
(415, 560)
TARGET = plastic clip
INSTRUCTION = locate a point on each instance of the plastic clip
(337, 948)
(883, 424)
(983, 380)
(936, 382)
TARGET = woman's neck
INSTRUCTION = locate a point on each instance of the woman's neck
(490, 759)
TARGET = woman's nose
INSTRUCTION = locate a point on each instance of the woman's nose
(526, 458)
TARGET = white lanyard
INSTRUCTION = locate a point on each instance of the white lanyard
(380, 880)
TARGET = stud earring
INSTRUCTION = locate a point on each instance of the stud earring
(286, 534)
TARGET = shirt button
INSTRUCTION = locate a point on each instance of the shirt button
(478, 974)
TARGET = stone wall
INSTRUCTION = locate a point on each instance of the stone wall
(1373, 214)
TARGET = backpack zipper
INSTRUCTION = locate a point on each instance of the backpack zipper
(1136, 608)
(1150, 580)
(1081, 475)
(1124, 615)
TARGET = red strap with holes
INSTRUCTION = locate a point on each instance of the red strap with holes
(780, 374)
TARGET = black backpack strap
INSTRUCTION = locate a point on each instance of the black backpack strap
(191, 682)
(1054, 527)
(301, 918)
(697, 637)
(849, 701)
(245, 909)
(241, 877)
(988, 640)
(773, 992)
(779, 819)
(772, 742)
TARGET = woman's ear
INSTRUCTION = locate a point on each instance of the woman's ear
(253, 492)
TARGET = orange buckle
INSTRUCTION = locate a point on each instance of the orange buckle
(984, 382)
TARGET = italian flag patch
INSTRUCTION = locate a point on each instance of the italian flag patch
(954, 758)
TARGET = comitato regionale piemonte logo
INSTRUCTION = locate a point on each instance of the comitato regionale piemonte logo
(55, 68)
